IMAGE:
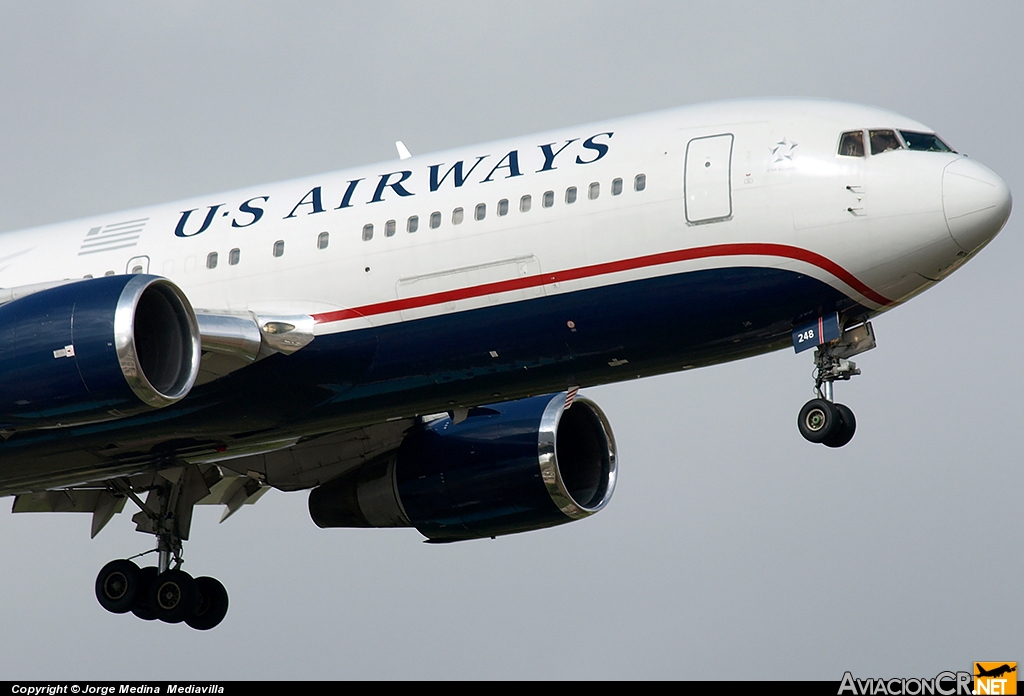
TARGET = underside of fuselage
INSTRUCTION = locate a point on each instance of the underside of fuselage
(455, 360)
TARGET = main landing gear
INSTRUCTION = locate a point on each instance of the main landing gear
(821, 420)
(164, 591)
(172, 596)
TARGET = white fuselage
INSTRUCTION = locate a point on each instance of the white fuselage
(880, 218)
(561, 220)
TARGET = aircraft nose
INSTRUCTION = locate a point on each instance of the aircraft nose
(976, 202)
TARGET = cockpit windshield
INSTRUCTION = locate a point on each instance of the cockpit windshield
(929, 142)
(852, 143)
(883, 141)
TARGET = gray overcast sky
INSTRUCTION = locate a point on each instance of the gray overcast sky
(732, 548)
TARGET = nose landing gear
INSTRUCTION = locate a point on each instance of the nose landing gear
(830, 424)
(821, 420)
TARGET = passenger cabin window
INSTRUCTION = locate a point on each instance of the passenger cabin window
(234, 256)
(570, 194)
(928, 142)
(503, 207)
(481, 211)
(884, 141)
(851, 144)
(323, 240)
(457, 215)
(279, 248)
(616, 187)
(412, 224)
(435, 219)
(211, 260)
(594, 191)
(640, 182)
(389, 228)
(549, 199)
(524, 204)
(136, 270)
(367, 232)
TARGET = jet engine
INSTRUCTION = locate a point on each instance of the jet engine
(504, 468)
(95, 349)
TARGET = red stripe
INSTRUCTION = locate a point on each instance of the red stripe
(780, 250)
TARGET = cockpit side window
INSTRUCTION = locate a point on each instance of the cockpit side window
(883, 141)
(928, 142)
(851, 144)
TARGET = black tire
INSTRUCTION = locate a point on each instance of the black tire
(142, 608)
(818, 420)
(213, 604)
(174, 596)
(117, 586)
(844, 433)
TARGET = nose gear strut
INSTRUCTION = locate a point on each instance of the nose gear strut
(821, 420)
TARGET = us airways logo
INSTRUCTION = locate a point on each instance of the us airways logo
(995, 678)
(481, 169)
(119, 235)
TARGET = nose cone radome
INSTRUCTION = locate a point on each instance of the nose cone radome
(976, 203)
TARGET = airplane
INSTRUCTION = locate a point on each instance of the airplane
(407, 340)
(995, 672)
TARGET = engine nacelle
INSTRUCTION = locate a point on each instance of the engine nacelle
(95, 350)
(507, 468)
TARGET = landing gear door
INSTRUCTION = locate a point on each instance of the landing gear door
(707, 182)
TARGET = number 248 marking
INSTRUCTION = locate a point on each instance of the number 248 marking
(805, 336)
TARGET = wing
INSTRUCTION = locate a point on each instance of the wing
(231, 479)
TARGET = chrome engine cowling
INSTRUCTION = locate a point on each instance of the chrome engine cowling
(95, 349)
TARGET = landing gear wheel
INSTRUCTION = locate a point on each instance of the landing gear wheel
(142, 607)
(213, 604)
(844, 433)
(174, 596)
(117, 586)
(164, 591)
(819, 420)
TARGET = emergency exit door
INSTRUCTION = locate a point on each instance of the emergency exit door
(707, 182)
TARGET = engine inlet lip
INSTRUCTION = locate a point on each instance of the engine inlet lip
(548, 460)
(127, 351)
